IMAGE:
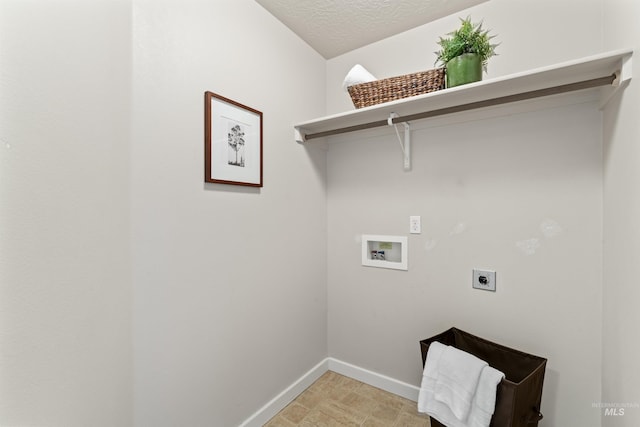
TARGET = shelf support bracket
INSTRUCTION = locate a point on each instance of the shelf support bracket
(406, 145)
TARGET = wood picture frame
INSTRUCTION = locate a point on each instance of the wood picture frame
(233, 142)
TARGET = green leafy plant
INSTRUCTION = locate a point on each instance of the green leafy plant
(469, 38)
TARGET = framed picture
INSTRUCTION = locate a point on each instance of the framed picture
(233, 142)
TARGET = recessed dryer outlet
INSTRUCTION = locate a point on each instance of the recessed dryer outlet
(484, 279)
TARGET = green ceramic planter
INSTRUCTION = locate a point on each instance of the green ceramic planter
(463, 69)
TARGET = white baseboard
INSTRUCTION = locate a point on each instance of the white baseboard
(375, 379)
(268, 411)
(278, 403)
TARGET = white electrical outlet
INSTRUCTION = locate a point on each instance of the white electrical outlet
(414, 225)
(484, 279)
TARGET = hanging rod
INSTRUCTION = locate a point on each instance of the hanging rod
(538, 93)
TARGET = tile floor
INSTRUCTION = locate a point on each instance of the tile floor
(335, 400)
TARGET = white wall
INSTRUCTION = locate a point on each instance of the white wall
(230, 283)
(481, 186)
(545, 32)
(65, 279)
(213, 333)
(621, 349)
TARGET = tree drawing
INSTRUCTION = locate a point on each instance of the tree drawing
(236, 142)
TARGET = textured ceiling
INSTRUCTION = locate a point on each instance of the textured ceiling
(333, 27)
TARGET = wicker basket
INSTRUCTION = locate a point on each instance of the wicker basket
(385, 90)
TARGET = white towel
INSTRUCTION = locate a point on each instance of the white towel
(358, 74)
(430, 376)
(483, 403)
(457, 381)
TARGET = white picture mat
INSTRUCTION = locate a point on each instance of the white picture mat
(223, 117)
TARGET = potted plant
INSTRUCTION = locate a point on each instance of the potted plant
(465, 53)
